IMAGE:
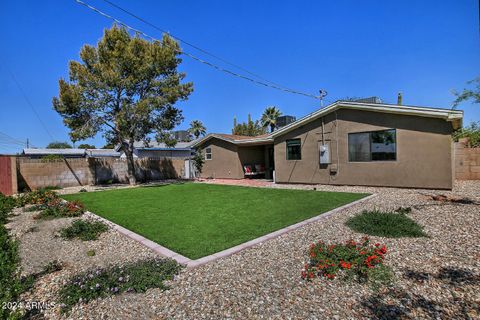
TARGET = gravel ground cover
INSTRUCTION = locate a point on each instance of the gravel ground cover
(437, 276)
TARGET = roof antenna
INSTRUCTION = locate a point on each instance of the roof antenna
(323, 94)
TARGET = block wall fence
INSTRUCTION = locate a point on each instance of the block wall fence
(467, 161)
(38, 173)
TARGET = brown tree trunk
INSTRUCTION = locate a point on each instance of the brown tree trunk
(130, 163)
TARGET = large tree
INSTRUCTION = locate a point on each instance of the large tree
(197, 128)
(468, 93)
(86, 146)
(269, 117)
(249, 128)
(126, 88)
(59, 145)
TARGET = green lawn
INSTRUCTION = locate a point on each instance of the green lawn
(197, 220)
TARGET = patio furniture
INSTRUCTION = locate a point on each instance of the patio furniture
(254, 170)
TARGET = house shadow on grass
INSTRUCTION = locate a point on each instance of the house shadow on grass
(399, 304)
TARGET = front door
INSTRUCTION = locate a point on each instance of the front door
(271, 163)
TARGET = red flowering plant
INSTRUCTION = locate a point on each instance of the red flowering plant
(38, 197)
(58, 208)
(350, 259)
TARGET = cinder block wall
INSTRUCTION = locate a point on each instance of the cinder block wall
(37, 173)
(467, 162)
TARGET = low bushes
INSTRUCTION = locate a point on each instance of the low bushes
(394, 224)
(134, 277)
(50, 205)
(37, 197)
(84, 230)
(57, 208)
(352, 260)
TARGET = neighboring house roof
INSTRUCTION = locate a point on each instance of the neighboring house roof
(454, 116)
(154, 145)
(102, 153)
(46, 151)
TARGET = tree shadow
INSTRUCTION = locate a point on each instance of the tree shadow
(396, 303)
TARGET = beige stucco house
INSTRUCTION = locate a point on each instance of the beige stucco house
(345, 143)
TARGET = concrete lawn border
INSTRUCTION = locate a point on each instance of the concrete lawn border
(227, 252)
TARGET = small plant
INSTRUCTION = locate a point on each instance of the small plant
(84, 230)
(32, 229)
(83, 190)
(198, 161)
(49, 188)
(353, 260)
(134, 277)
(393, 224)
(91, 253)
(52, 266)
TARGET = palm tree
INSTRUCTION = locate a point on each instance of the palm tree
(269, 117)
(197, 128)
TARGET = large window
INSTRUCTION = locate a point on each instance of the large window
(372, 146)
(208, 154)
(294, 149)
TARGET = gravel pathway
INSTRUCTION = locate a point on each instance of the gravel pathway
(437, 277)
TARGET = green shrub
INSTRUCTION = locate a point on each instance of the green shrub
(52, 157)
(84, 230)
(393, 224)
(6, 206)
(48, 188)
(134, 277)
(472, 132)
(10, 284)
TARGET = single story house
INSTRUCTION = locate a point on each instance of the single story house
(160, 150)
(345, 143)
(38, 153)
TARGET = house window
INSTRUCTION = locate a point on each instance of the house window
(294, 149)
(372, 146)
(208, 154)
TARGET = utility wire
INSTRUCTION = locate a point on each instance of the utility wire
(11, 143)
(4, 136)
(25, 97)
(190, 44)
(138, 31)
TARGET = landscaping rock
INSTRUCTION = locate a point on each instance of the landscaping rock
(436, 276)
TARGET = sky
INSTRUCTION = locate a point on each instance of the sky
(424, 49)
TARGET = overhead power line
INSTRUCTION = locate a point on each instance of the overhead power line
(6, 137)
(190, 44)
(25, 97)
(232, 73)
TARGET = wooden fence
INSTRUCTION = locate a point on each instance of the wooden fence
(8, 175)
